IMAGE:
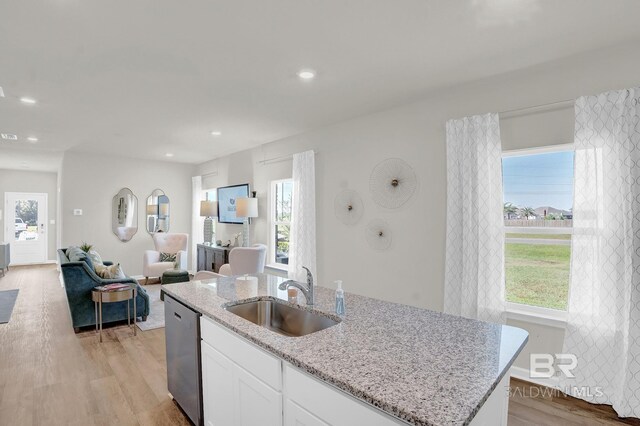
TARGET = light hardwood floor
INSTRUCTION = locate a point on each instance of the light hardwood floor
(51, 376)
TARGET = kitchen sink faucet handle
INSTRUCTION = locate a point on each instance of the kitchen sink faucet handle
(309, 277)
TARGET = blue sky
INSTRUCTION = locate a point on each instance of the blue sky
(539, 180)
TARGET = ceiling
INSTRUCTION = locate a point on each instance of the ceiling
(149, 77)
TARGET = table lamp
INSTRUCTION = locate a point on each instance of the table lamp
(246, 208)
(208, 210)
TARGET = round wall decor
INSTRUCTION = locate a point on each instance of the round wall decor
(348, 206)
(392, 183)
(378, 234)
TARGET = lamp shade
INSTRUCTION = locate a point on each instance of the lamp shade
(246, 207)
(209, 208)
(152, 209)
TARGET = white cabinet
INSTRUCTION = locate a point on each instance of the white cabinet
(255, 402)
(295, 415)
(243, 385)
(326, 405)
(240, 383)
(217, 382)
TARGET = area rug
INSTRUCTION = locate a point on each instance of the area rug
(7, 301)
(156, 309)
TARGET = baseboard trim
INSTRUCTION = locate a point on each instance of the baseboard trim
(523, 374)
(46, 262)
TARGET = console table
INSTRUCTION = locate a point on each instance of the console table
(211, 258)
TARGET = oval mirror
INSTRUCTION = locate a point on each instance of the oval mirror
(157, 212)
(124, 213)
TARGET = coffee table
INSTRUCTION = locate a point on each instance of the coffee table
(101, 296)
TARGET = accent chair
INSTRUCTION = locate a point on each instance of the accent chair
(245, 260)
(169, 243)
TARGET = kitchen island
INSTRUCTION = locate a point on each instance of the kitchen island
(393, 363)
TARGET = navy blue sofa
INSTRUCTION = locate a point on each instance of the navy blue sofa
(80, 278)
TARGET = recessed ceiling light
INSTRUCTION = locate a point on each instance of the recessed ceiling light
(306, 74)
(168, 154)
(27, 100)
(32, 139)
(9, 136)
(216, 133)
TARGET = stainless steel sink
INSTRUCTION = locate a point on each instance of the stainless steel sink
(280, 318)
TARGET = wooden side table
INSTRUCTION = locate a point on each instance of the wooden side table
(100, 296)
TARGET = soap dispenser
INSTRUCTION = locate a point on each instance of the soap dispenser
(340, 310)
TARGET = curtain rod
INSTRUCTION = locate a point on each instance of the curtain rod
(279, 159)
(537, 108)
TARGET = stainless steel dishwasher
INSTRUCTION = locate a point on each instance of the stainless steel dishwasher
(182, 328)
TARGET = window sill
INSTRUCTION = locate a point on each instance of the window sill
(277, 268)
(536, 315)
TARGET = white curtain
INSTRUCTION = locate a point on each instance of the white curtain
(603, 328)
(474, 270)
(197, 223)
(302, 246)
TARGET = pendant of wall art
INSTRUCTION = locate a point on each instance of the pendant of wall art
(378, 234)
(348, 207)
(392, 183)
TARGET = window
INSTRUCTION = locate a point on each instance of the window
(280, 222)
(210, 195)
(538, 213)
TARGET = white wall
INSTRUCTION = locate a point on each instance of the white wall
(90, 181)
(412, 271)
(27, 181)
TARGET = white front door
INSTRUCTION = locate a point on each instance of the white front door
(25, 221)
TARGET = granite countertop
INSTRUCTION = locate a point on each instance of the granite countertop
(424, 367)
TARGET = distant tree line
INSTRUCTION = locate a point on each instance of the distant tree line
(511, 211)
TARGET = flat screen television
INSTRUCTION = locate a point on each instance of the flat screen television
(227, 202)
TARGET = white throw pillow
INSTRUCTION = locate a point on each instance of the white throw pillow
(110, 272)
(95, 257)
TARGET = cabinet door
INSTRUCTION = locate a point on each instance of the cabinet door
(217, 387)
(218, 259)
(209, 261)
(201, 258)
(294, 415)
(255, 402)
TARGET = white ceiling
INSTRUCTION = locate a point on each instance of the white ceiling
(146, 77)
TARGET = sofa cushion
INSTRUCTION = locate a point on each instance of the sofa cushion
(74, 254)
(95, 257)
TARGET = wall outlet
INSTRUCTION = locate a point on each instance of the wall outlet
(77, 212)
(52, 222)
